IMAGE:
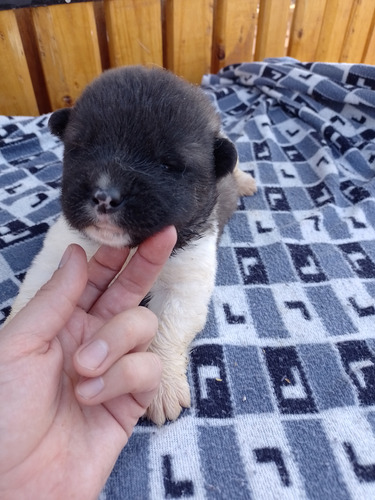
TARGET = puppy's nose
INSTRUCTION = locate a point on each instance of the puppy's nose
(107, 200)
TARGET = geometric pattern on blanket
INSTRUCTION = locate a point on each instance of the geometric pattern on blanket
(30, 174)
(283, 374)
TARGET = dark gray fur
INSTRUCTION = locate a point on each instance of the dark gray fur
(158, 139)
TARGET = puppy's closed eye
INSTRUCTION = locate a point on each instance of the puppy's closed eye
(175, 168)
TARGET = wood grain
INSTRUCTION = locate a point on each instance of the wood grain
(189, 37)
(17, 96)
(306, 26)
(274, 17)
(69, 50)
(333, 31)
(369, 52)
(234, 32)
(359, 26)
(134, 32)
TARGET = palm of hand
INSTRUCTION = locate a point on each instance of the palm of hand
(48, 426)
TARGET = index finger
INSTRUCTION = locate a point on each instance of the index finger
(136, 280)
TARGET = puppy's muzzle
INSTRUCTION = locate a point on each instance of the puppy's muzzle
(107, 200)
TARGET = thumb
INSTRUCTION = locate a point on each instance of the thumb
(50, 309)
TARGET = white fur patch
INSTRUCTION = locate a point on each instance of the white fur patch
(108, 234)
(187, 280)
(59, 236)
(104, 181)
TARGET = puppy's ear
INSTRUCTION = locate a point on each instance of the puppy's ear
(58, 121)
(225, 155)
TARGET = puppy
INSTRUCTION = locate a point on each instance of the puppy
(143, 150)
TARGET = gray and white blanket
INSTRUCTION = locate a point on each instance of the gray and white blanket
(283, 375)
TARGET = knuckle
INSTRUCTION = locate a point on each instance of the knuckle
(140, 322)
(141, 372)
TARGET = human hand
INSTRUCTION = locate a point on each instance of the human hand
(76, 337)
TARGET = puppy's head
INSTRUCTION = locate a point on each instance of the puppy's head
(142, 150)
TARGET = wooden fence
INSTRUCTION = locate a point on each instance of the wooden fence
(49, 54)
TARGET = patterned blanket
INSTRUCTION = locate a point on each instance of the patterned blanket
(283, 375)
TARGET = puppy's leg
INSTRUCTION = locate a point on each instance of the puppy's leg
(245, 182)
(180, 299)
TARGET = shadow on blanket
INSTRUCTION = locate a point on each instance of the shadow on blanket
(283, 375)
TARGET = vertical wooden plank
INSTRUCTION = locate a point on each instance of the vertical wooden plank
(307, 23)
(101, 30)
(234, 32)
(16, 91)
(274, 16)
(358, 30)
(134, 32)
(189, 37)
(69, 51)
(30, 46)
(334, 26)
(369, 52)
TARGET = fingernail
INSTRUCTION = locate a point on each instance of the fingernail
(65, 257)
(90, 387)
(93, 355)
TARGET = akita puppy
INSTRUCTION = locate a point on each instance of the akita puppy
(143, 150)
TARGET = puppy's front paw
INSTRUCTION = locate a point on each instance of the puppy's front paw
(173, 395)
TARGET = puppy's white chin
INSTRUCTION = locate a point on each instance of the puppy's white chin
(108, 235)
